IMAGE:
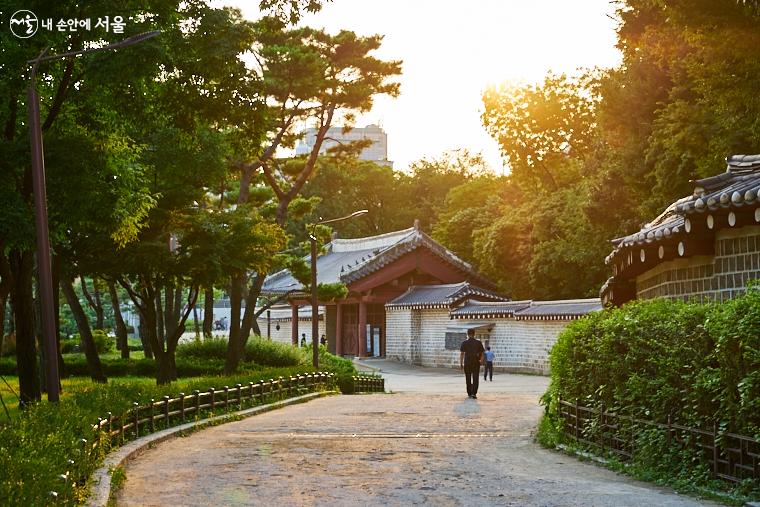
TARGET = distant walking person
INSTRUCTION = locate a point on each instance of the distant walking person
(470, 355)
(489, 365)
(303, 340)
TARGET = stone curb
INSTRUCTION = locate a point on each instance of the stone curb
(100, 489)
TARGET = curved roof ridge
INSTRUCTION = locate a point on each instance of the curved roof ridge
(473, 302)
(381, 241)
(566, 301)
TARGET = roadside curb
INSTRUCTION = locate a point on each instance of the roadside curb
(100, 489)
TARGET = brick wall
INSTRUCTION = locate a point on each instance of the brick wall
(719, 277)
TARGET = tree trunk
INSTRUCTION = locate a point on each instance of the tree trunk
(120, 327)
(159, 322)
(234, 347)
(56, 271)
(22, 304)
(208, 312)
(169, 322)
(90, 352)
(147, 349)
(93, 302)
(195, 323)
(249, 317)
(100, 321)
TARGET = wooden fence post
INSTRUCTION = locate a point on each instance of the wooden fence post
(226, 398)
(715, 448)
(136, 410)
(152, 416)
(239, 396)
(197, 395)
(182, 407)
(577, 420)
(213, 401)
(166, 411)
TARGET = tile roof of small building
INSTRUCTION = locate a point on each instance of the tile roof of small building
(488, 309)
(441, 296)
(349, 260)
(567, 308)
(529, 310)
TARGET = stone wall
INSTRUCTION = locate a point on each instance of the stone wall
(418, 337)
(719, 277)
(522, 346)
(398, 334)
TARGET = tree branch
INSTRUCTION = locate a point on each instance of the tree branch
(60, 94)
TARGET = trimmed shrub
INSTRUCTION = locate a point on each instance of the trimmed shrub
(697, 363)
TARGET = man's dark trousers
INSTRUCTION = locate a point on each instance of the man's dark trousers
(472, 378)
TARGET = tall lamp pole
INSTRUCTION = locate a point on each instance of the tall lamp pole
(44, 272)
(314, 302)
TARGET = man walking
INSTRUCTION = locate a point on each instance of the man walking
(470, 354)
(489, 364)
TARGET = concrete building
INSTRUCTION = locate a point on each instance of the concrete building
(705, 246)
(377, 152)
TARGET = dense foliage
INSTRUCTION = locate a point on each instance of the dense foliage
(698, 364)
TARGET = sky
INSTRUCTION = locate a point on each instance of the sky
(453, 50)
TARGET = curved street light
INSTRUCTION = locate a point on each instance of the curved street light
(314, 303)
(40, 209)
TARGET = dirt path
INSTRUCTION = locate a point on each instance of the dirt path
(426, 446)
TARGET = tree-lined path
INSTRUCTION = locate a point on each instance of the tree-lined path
(427, 444)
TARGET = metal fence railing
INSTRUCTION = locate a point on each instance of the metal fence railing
(730, 456)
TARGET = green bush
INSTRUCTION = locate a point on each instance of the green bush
(257, 350)
(69, 345)
(698, 363)
(103, 343)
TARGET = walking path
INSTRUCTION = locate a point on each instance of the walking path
(427, 444)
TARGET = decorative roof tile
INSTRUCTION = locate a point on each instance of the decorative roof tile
(441, 296)
(349, 260)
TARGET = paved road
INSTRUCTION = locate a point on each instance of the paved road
(426, 444)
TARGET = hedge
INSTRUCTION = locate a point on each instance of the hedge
(697, 363)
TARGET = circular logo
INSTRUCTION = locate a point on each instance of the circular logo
(23, 24)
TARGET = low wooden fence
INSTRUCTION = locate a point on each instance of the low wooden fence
(731, 457)
(114, 430)
(368, 384)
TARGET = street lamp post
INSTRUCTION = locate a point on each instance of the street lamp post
(44, 272)
(314, 303)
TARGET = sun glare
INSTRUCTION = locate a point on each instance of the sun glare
(453, 50)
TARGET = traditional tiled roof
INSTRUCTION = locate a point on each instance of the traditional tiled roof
(349, 260)
(441, 296)
(567, 309)
(737, 187)
(559, 310)
(488, 309)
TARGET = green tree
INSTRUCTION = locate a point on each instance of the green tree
(308, 76)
